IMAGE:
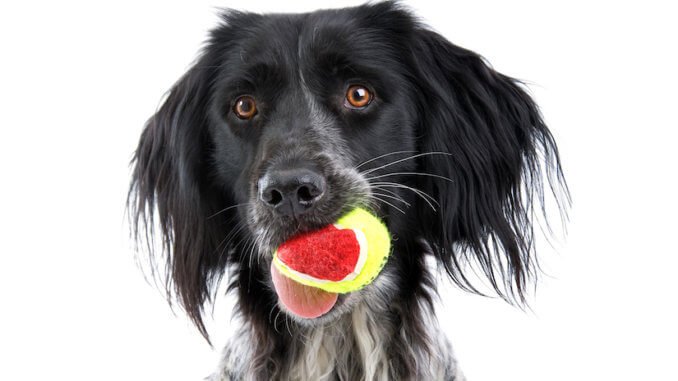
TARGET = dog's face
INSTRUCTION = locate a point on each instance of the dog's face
(288, 121)
(299, 104)
(305, 108)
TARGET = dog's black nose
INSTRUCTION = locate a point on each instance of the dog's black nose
(291, 192)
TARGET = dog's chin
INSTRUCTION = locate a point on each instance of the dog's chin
(345, 304)
(381, 289)
(376, 295)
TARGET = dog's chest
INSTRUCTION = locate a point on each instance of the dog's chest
(353, 348)
(361, 345)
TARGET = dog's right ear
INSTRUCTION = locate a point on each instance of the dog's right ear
(170, 194)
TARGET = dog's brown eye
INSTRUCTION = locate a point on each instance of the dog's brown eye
(358, 96)
(245, 107)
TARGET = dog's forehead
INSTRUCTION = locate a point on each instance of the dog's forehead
(294, 40)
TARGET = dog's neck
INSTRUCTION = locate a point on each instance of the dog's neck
(354, 346)
(402, 342)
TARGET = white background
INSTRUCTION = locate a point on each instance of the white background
(77, 81)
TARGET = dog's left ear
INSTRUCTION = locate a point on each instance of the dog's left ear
(497, 152)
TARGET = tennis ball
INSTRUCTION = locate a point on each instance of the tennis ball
(340, 258)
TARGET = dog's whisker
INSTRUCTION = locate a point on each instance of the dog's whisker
(426, 197)
(227, 208)
(384, 189)
(410, 174)
(275, 321)
(371, 170)
(251, 255)
(381, 156)
(287, 324)
(422, 195)
(270, 313)
(229, 237)
(258, 244)
(258, 254)
(390, 204)
(247, 246)
(396, 198)
(391, 195)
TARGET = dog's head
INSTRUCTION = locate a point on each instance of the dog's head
(287, 121)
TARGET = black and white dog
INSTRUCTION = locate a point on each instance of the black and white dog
(284, 123)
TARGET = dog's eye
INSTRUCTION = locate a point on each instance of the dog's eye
(358, 96)
(245, 107)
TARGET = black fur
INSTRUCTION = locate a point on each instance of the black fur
(443, 123)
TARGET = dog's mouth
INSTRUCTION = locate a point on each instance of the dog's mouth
(302, 292)
(315, 271)
(319, 256)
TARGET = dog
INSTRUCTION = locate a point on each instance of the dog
(287, 121)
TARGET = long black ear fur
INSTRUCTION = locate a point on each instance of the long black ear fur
(499, 153)
(170, 191)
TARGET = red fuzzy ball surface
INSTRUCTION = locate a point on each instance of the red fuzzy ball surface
(328, 253)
